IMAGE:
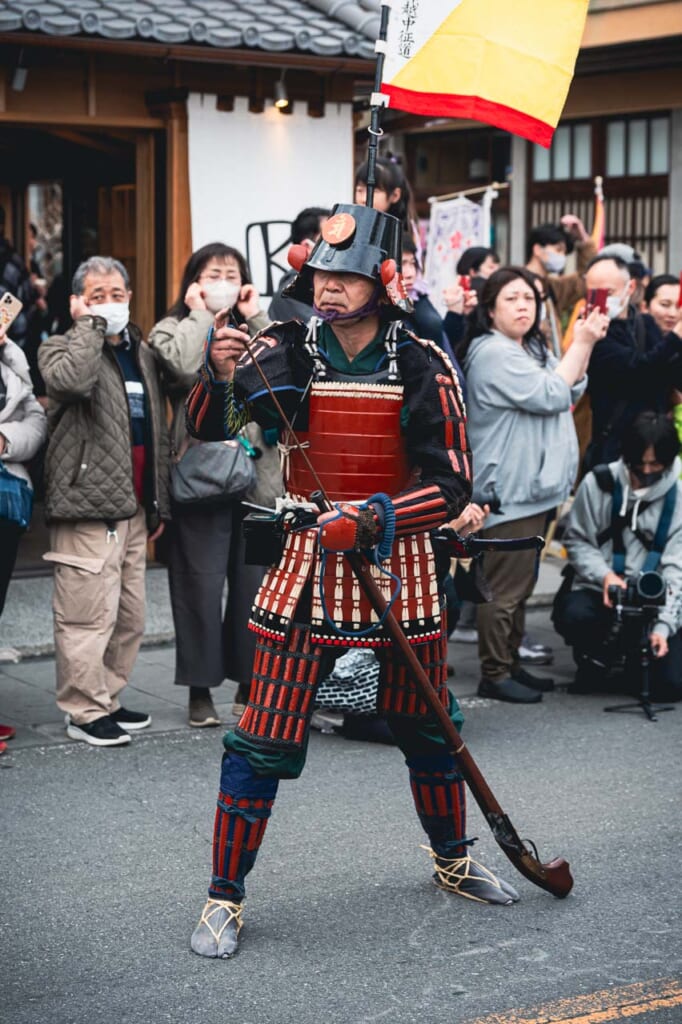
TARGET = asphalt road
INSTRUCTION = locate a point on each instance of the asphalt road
(105, 858)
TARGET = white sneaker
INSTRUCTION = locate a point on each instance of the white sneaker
(535, 654)
(465, 636)
(103, 732)
(326, 721)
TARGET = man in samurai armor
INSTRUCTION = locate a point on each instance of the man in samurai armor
(379, 415)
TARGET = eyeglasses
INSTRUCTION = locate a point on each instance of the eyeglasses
(219, 275)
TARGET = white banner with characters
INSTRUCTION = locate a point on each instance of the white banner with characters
(455, 225)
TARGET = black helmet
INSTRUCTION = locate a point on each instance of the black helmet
(354, 240)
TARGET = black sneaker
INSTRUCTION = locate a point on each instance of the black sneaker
(590, 676)
(543, 685)
(131, 720)
(368, 728)
(103, 732)
(509, 690)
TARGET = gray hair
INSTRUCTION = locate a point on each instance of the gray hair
(97, 265)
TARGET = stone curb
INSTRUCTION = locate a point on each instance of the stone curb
(27, 651)
(535, 601)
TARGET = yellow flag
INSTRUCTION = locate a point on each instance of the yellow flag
(508, 63)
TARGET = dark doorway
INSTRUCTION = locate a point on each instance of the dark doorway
(68, 193)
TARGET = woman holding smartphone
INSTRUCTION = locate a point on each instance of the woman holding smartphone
(525, 452)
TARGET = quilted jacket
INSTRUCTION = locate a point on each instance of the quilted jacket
(88, 468)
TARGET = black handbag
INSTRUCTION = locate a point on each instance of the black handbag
(212, 473)
(472, 585)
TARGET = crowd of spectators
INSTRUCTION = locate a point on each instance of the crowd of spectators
(571, 378)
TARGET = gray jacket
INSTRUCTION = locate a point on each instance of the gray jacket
(178, 346)
(591, 514)
(520, 427)
(22, 418)
(89, 464)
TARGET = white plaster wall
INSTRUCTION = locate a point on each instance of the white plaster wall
(247, 167)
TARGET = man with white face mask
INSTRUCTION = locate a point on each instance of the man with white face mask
(628, 372)
(547, 249)
(106, 474)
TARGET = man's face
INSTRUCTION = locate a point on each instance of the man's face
(341, 292)
(552, 256)
(648, 464)
(617, 282)
(100, 288)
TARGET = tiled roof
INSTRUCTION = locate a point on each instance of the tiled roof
(324, 27)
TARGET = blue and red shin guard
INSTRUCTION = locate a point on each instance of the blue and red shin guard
(244, 805)
(439, 797)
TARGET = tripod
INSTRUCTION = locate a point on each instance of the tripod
(643, 703)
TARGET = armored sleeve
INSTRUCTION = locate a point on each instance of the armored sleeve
(436, 438)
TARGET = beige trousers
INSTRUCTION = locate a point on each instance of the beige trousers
(98, 604)
(501, 622)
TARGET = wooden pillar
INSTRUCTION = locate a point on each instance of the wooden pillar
(145, 278)
(178, 213)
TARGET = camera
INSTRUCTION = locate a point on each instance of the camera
(634, 609)
(263, 538)
(645, 590)
(491, 500)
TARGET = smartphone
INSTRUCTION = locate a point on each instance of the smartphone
(10, 308)
(596, 299)
(465, 282)
(235, 318)
(679, 301)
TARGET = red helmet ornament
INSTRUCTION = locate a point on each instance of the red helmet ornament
(388, 271)
(297, 256)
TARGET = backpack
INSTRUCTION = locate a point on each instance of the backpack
(614, 532)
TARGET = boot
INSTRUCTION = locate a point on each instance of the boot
(202, 712)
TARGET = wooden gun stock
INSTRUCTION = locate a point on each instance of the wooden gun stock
(555, 876)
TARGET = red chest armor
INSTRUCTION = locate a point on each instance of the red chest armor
(354, 441)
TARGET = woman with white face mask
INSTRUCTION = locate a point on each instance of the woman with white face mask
(205, 543)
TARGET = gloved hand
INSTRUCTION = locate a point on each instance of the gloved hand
(348, 528)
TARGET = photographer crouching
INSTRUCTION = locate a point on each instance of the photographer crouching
(624, 545)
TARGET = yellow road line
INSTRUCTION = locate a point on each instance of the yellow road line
(611, 1004)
